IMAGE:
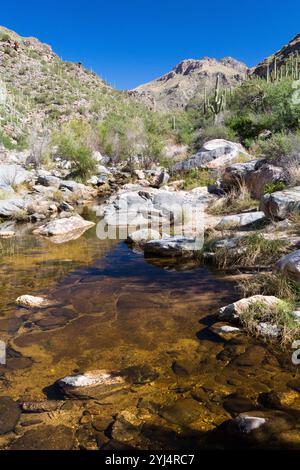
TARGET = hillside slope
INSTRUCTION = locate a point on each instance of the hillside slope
(281, 57)
(188, 81)
(39, 89)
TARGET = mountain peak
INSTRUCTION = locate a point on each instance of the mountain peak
(188, 79)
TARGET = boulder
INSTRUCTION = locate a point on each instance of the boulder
(233, 311)
(240, 220)
(255, 174)
(280, 204)
(45, 178)
(289, 265)
(63, 226)
(173, 247)
(13, 175)
(216, 153)
(13, 207)
(257, 180)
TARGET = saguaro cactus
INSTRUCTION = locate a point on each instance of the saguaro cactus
(216, 103)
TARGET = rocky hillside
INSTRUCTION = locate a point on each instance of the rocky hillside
(286, 54)
(188, 81)
(38, 88)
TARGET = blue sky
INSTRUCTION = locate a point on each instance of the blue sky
(130, 42)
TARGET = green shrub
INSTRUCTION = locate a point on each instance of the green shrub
(248, 127)
(279, 145)
(273, 187)
(73, 144)
(4, 37)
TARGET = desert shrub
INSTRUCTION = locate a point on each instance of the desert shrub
(214, 132)
(198, 177)
(4, 37)
(248, 126)
(278, 146)
(273, 99)
(74, 143)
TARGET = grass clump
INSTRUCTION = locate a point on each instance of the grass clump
(251, 251)
(276, 147)
(273, 187)
(270, 284)
(198, 177)
(279, 316)
(235, 201)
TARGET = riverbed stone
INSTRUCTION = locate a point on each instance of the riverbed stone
(14, 207)
(10, 413)
(252, 357)
(64, 226)
(183, 412)
(237, 403)
(14, 175)
(145, 235)
(45, 438)
(255, 175)
(92, 384)
(289, 265)
(240, 220)
(280, 204)
(31, 301)
(225, 331)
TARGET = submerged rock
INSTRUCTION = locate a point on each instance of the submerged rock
(225, 331)
(10, 413)
(34, 302)
(93, 384)
(183, 412)
(46, 438)
(101, 383)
